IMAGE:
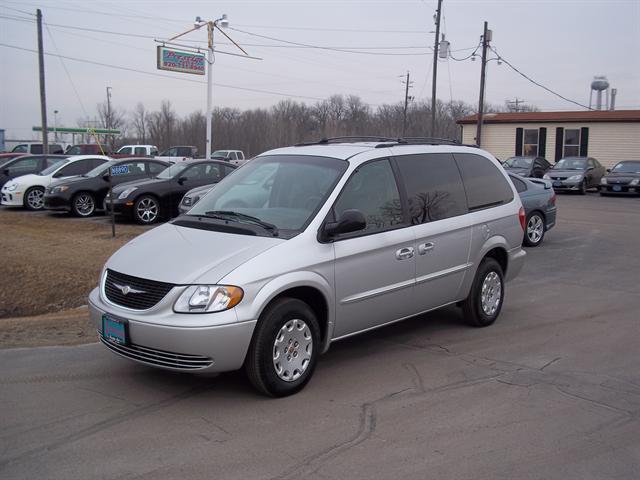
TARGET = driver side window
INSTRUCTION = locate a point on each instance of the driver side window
(372, 189)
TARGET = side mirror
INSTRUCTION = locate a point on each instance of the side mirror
(589, 169)
(6, 171)
(105, 177)
(608, 170)
(181, 180)
(350, 221)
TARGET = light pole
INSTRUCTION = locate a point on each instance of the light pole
(55, 125)
(211, 25)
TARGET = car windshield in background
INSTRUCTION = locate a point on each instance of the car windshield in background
(54, 167)
(173, 170)
(283, 191)
(220, 153)
(21, 149)
(627, 167)
(577, 163)
(518, 162)
(100, 169)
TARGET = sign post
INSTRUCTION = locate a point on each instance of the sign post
(114, 170)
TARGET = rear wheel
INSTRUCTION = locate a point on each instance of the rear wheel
(146, 210)
(484, 303)
(534, 231)
(83, 205)
(34, 198)
(284, 348)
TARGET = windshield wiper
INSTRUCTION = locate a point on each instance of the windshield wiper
(225, 214)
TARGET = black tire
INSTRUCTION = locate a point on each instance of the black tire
(535, 229)
(583, 188)
(473, 304)
(83, 204)
(146, 210)
(34, 198)
(260, 365)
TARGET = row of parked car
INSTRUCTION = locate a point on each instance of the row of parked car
(579, 174)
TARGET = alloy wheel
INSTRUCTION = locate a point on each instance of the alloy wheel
(535, 229)
(35, 199)
(147, 210)
(84, 205)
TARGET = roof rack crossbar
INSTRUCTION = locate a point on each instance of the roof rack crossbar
(349, 138)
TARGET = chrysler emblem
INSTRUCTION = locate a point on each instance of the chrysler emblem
(126, 289)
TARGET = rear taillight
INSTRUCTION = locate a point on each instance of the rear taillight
(552, 200)
(522, 217)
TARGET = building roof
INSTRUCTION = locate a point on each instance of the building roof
(585, 116)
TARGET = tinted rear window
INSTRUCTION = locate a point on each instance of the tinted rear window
(434, 187)
(483, 182)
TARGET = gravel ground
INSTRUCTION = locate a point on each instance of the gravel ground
(50, 264)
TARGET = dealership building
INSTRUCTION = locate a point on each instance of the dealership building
(608, 136)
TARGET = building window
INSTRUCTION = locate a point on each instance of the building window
(572, 142)
(530, 142)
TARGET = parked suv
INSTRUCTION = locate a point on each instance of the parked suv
(343, 238)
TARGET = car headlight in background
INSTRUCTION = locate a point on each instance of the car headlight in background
(59, 189)
(574, 178)
(12, 187)
(186, 201)
(546, 176)
(603, 181)
(635, 181)
(125, 193)
(208, 298)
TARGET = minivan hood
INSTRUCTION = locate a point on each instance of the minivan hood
(183, 255)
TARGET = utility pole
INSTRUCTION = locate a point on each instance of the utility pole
(517, 103)
(406, 104)
(435, 70)
(108, 122)
(210, 26)
(486, 38)
(43, 97)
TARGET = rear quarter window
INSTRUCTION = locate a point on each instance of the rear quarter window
(484, 184)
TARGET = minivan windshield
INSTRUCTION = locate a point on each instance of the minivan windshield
(627, 167)
(518, 162)
(571, 163)
(54, 167)
(173, 170)
(281, 191)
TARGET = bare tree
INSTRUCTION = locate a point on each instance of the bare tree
(139, 122)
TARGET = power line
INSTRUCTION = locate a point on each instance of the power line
(501, 58)
(119, 67)
(18, 10)
(319, 29)
(320, 47)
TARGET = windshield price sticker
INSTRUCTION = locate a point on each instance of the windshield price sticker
(120, 170)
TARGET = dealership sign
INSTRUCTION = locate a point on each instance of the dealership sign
(179, 61)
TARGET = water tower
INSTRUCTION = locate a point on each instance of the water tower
(599, 85)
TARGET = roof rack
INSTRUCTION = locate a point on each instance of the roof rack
(387, 141)
(347, 139)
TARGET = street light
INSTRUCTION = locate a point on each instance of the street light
(223, 22)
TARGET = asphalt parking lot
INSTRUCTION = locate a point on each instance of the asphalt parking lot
(551, 391)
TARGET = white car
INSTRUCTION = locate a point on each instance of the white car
(28, 190)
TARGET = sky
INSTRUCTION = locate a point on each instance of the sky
(561, 44)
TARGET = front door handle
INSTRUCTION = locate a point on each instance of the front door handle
(404, 253)
(424, 248)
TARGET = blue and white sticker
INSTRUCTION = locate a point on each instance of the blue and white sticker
(119, 170)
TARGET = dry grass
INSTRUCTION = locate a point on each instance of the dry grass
(50, 263)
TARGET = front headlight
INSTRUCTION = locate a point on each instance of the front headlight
(208, 298)
(603, 181)
(125, 193)
(574, 178)
(12, 187)
(634, 182)
(59, 189)
(546, 176)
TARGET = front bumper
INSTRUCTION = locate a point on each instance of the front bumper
(12, 199)
(120, 207)
(616, 189)
(56, 202)
(563, 185)
(159, 337)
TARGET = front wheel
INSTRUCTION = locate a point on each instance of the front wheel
(534, 232)
(34, 198)
(482, 307)
(583, 188)
(83, 205)
(284, 348)
(146, 210)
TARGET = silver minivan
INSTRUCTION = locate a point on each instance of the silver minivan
(311, 244)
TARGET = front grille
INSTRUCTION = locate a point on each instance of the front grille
(153, 291)
(558, 178)
(159, 358)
